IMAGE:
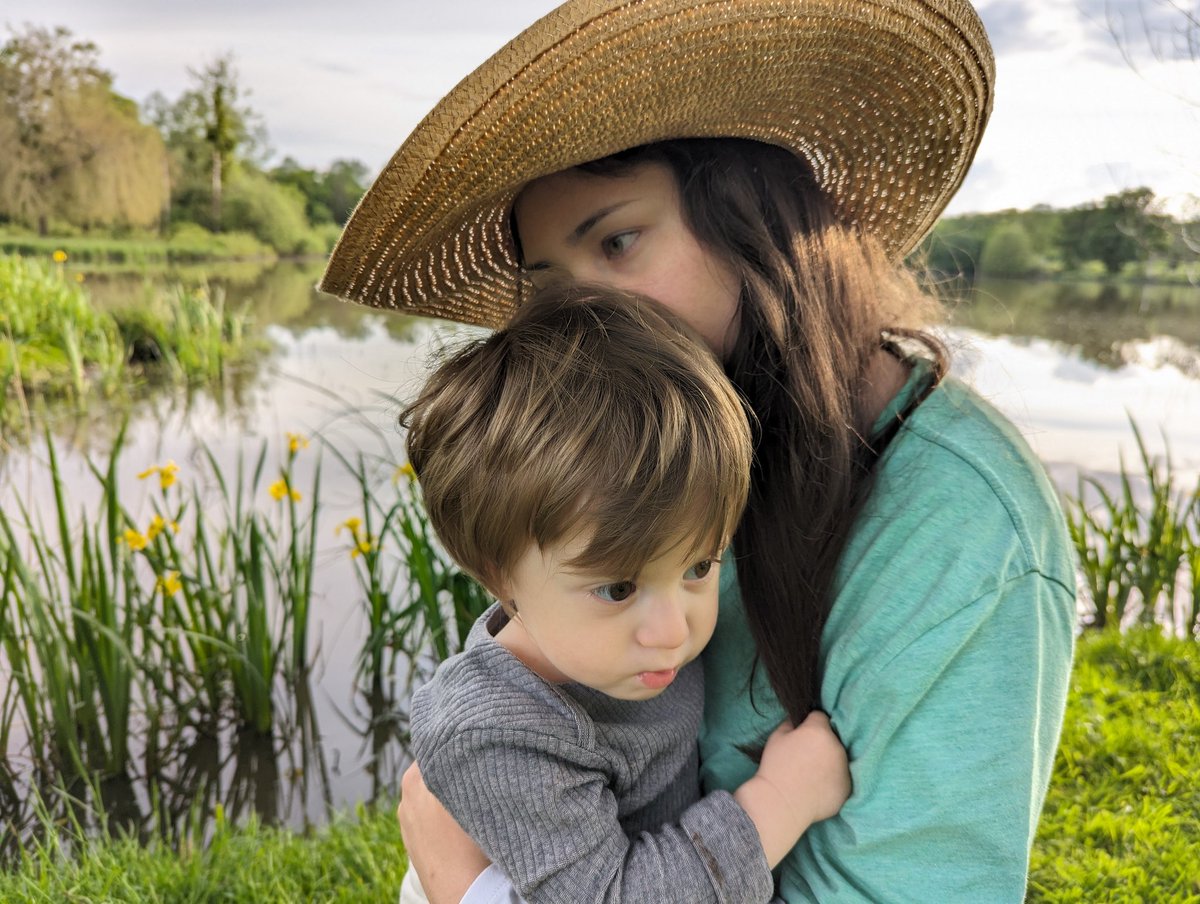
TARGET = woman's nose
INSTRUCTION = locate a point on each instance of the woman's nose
(664, 623)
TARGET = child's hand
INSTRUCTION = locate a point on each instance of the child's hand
(803, 777)
(808, 767)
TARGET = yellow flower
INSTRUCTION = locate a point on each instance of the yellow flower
(296, 442)
(166, 473)
(362, 546)
(169, 583)
(405, 470)
(134, 540)
(351, 524)
(280, 490)
(158, 525)
(59, 256)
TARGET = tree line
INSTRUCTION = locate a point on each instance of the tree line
(1126, 232)
(80, 158)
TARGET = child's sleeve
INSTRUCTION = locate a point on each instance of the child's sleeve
(540, 807)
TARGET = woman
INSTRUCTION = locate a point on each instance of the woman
(761, 167)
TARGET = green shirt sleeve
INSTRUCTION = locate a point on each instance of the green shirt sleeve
(945, 666)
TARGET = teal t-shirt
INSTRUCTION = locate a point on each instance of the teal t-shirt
(945, 663)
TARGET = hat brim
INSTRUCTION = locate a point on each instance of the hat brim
(887, 100)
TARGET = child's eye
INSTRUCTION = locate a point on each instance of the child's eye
(616, 592)
(699, 571)
(616, 245)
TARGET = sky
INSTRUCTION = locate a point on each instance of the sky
(1074, 119)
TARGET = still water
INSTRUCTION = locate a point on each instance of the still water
(1070, 364)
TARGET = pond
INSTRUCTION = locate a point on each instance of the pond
(1071, 364)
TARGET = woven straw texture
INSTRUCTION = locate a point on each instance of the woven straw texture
(886, 98)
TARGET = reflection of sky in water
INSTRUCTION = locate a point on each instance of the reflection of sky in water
(1075, 413)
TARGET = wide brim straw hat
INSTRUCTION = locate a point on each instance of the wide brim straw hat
(886, 99)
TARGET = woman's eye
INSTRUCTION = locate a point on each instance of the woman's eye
(699, 571)
(617, 592)
(616, 245)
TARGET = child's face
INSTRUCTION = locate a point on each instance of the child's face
(627, 636)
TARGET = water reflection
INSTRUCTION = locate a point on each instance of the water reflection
(1098, 319)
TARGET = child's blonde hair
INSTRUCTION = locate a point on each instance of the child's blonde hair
(592, 410)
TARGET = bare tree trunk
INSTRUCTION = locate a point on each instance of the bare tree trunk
(216, 191)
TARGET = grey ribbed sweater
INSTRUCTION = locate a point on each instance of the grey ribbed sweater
(579, 797)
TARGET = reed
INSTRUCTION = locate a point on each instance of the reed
(418, 601)
(1139, 560)
(74, 613)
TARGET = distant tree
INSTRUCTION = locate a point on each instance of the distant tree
(329, 197)
(210, 130)
(1124, 227)
(1008, 252)
(345, 183)
(74, 150)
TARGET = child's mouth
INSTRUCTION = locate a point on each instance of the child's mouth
(657, 680)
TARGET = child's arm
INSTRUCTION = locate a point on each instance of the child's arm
(803, 777)
(549, 822)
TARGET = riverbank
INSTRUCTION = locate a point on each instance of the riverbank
(1120, 820)
(188, 244)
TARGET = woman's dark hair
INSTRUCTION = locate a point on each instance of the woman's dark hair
(817, 301)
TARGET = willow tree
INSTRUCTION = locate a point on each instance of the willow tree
(75, 151)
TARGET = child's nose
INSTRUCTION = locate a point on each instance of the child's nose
(665, 623)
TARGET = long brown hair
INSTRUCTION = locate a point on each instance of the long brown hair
(817, 301)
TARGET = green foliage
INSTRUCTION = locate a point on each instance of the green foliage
(1125, 227)
(74, 151)
(1124, 232)
(1123, 811)
(329, 197)
(1007, 252)
(358, 857)
(1133, 552)
(52, 340)
(54, 343)
(273, 213)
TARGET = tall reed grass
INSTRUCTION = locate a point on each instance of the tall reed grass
(117, 625)
(1139, 560)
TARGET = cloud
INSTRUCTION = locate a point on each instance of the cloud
(1009, 26)
(1137, 32)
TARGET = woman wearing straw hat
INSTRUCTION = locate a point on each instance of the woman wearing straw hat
(762, 167)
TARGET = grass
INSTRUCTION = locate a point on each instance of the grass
(1120, 820)
(56, 344)
(356, 858)
(1123, 812)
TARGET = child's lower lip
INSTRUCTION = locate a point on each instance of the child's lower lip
(656, 680)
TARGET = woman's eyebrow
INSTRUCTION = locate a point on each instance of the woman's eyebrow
(583, 228)
(577, 234)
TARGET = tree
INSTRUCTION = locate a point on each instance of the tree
(329, 197)
(1008, 252)
(74, 150)
(1124, 227)
(210, 131)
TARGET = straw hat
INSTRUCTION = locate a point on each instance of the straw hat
(887, 99)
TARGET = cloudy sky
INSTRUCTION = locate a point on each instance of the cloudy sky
(1074, 119)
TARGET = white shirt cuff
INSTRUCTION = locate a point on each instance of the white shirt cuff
(492, 887)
